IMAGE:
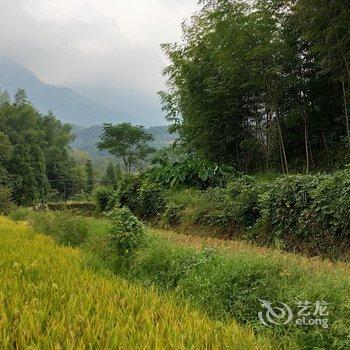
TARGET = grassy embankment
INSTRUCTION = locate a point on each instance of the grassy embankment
(223, 279)
(48, 300)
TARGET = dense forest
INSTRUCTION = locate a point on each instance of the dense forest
(35, 162)
(263, 85)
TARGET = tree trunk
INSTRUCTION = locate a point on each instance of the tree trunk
(238, 158)
(282, 143)
(324, 140)
(346, 110)
(281, 156)
(306, 144)
(279, 132)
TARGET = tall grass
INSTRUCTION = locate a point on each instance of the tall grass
(49, 301)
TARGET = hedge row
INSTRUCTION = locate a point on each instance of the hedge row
(308, 213)
(85, 208)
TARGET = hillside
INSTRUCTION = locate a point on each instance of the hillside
(66, 104)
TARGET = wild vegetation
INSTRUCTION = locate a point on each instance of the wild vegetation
(50, 300)
(263, 85)
(299, 213)
(35, 163)
(258, 93)
(222, 283)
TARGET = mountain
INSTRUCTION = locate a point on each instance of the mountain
(135, 106)
(65, 103)
(86, 138)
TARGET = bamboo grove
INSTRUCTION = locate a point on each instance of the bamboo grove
(263, 85)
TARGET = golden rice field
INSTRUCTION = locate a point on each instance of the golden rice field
(48, 300)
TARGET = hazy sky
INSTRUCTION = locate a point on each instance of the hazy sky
(108, 50)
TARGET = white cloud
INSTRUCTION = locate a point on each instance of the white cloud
(112, 43)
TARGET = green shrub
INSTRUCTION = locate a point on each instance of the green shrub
(71, 229)
(67, 229)
(285, 203)
(20, 214)
(129, 191)
(84, 208)
(211, 209)
(243, 201)
(103, 195)
(173, 215)
(187, 198)
(150, 201)
(127, 233)
(5, 200)
(190, 171)
(330, 210)
(145, 199)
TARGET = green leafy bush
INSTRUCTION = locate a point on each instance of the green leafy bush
(151, 200)
(211, 209)
(330, 210)
(190, 172)
(173, 215)
(84, 208)
(285, 203)
(67, 229)
(129, 191)
(103, 195)
(127, 233)
(5, 200)
(145, 199)
(20, 214)
(243, 201)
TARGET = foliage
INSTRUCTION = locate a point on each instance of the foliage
(19, 214)
(127, 233)
(112, 176)
(243, 197)
(150, 200)
(190, 172)
(262, 85)
(66, 228)
(331, 206)
(286, 201)
(83, 208)
(126, 141)
(173, 215)
(5, 200)
(34, 160)
(308, 213)
(103, 195)
(211, 210)
(129, 191)
(90, 177)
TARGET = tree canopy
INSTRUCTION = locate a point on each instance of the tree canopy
(126, 141)
(263, 85)
(35, 161)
